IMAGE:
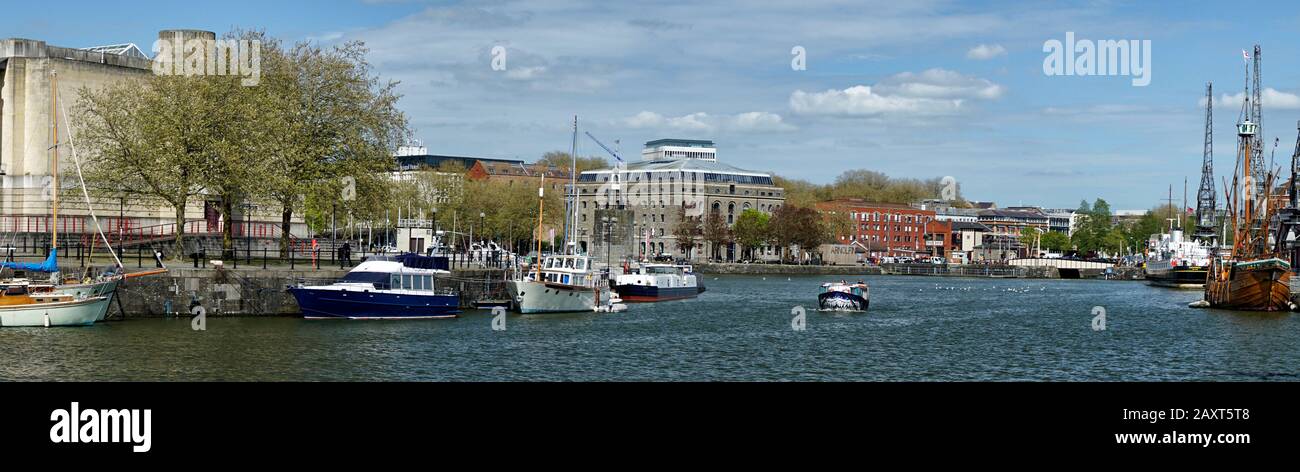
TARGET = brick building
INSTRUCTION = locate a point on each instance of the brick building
(886, 229)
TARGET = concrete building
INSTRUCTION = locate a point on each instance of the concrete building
(674, 176)
(27, 70)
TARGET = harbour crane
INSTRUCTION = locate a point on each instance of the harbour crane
(1205, 197)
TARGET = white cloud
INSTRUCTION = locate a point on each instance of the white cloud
(1271, 97)
(932, 92)
(754, 121)
(985, 52)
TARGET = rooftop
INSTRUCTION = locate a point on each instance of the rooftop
(434, 161)
(680, 142)
(681, 165)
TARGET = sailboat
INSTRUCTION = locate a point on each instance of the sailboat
(1250, 276)
(565, 282)
(19, 306)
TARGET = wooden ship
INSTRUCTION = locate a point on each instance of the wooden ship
(1250, 275)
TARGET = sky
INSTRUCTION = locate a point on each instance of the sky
(915, 89)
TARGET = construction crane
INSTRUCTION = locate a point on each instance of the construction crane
(615, 181)
(1205, 197)
(603, 146)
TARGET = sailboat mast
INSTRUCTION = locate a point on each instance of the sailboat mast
(541, 204)
(54, 106)
(573, 191)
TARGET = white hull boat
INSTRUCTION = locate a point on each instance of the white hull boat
(64, 313)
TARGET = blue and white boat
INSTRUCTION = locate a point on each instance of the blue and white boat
(844, 296)
(384, 288)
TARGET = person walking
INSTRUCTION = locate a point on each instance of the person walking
(345, 254)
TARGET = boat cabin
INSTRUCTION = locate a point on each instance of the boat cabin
(568, 270)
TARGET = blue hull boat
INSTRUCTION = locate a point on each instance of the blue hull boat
(325, 303)
(404, 287)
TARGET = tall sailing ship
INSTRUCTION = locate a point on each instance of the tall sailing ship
(1251, 276)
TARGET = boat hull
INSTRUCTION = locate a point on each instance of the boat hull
(72, 313)
(1177, 277)
(842, 301)
(1256, 286)
(323, 303)
(650, 293)
(534, 297)
(106, 288)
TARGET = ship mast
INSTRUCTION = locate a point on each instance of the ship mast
(54, 189)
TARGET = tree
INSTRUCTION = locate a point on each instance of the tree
(169, 137)
(797, 226)
(562, 160)
(1056, 241)
(864, 184)
(715, 232)
(751, 231)
(685, 231)
(336, 128)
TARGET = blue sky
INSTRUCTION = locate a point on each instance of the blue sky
(903, 88)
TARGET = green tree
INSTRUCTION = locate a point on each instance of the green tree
(1056, 241)
(171, 137)
(336, 126)
(751, 231)
(560, 159)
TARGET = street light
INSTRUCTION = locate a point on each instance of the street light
(248, 235)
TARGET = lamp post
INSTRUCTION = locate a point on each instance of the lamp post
(248, 235)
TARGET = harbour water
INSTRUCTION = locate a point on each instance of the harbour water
(918, 329)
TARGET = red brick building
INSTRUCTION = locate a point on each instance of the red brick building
(888, 229)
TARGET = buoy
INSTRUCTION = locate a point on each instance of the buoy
(1199, 304)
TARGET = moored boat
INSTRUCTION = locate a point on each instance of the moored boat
(563, 284)
(657, 283)
(1249, 276)
(385, 288)
(18, 308)
(1173, 261)
(1260, 285)
(843, 296)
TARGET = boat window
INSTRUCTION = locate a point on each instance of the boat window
(568, 263)
(406, 281)
(581, 264)
(395, 281)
